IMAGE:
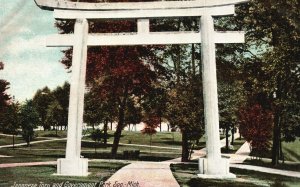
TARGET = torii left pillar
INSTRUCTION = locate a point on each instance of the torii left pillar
(73, 164)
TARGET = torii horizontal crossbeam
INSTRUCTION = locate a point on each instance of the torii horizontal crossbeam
(123, 14)
(65, 4)
(155, 38)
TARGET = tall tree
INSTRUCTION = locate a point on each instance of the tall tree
(55, 115)
(119, 72)
(61, 94)
(29, 120)
(9, 120)
(42, 100)
(269, 62)
(256, 126)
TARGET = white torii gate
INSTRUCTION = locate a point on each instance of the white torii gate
(213, 166)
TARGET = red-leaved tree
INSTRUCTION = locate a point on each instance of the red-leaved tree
(256, 126)
(151, 123)
(117, 73)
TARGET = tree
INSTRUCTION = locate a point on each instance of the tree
(29, 119)
(119, 72)
(42, 100)
(155, 103)
(54, 115)
(231, 98)
(96, 136)
(10, 122)
(151, 123)
(4, 97)
(269, 62)
(133, 113)
(256, 126)
(61, 95)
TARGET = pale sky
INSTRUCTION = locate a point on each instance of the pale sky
(28, 64)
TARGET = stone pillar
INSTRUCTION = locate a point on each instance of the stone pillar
(213, 166)
(73, 164)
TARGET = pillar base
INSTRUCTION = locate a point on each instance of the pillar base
(72, 167)
(215, 168)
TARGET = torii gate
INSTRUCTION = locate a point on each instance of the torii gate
(213, 166)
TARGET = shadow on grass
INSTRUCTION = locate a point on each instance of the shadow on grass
(169, 142)
(267, 163)
(291, 155)
(185, 174)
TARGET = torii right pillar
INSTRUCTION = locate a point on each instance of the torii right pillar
(213, 166)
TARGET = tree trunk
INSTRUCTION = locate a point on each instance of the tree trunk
(276, 140)
(159, 124)
(117, 134)
(185, 147)
(227, 142)
(111, 125)
(105, 132)
(281, 152)
(232, 135)
(56, 129)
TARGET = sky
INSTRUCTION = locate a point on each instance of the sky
(28, 64)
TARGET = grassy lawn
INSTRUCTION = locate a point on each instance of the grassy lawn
(292, 150)
(39, 135)
(51, 134)
(186, 175)
(291, 153)
(7, 140)
(100, 171)
(49, 151)
(236, 145)
(165, 139)
(292, 166)
(169, 147)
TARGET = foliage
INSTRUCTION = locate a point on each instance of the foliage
(42, 100)
(10, 122)
(151, 123)
(268, 63)
(54, 114)
(97, 135)
(61, 95)
(256, 126)
(52, 106)
(231, 98)
(4, 97)
(117, 73)
(29, 119)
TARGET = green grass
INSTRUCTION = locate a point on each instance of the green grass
(100, 171)
(39, 135)
(292, 150)
(7, 140)
(49, 151)
(51, 134)
(186, 175)
(164, 139)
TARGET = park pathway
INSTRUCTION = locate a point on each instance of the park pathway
(149, 174)
(145, 174)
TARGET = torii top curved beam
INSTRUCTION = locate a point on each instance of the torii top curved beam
(65, 4)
